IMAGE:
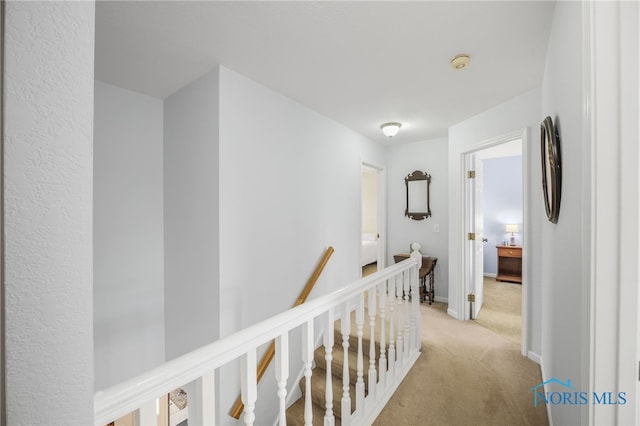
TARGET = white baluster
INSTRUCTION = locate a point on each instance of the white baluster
(206, 388)
(392, 344)
(328, 349)
(345, 328)
(382, 369)
(307, 359)
(249, 386)
(372, 344)
(416, 339)
(400, 312)
(360, 362)
(147, 415)
(282, 373)
(406, 286)
(416, 323)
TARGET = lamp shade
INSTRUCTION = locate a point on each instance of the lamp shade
(390, 129)
(512, 228)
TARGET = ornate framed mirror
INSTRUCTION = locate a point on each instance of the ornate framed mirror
(418, 206)
(551, 168)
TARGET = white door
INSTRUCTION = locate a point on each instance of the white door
(475, 224)
(479, 241)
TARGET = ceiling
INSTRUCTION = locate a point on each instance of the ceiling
(359, 63)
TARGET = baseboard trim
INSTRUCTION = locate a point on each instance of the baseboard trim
(452, 313)
(534, 357)
(490, 275)
(544, 379)
(441, 299)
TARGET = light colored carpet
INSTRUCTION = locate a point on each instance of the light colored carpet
(369, 269)
(502, 308)
(466, 375)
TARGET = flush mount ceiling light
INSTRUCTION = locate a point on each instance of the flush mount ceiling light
(460, 62)
(390, 129)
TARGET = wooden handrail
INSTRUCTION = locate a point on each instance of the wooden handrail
(238, 406)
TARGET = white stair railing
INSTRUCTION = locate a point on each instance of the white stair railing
(392, 299)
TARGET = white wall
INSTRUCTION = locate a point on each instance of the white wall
(561, 278)
(502, 204)
(48, 137)
(128, 235)
(508, 118)
(430, 157)
(191, 216)
(289, 188)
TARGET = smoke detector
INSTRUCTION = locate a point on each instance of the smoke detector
(460, 61)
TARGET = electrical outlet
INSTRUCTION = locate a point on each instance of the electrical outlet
(436, 227)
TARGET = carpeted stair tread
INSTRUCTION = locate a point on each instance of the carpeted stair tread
(318, 387)
(295, 414)
(338, 361)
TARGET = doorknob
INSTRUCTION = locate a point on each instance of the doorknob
(484, 240)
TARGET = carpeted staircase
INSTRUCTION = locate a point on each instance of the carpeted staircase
(295, 413)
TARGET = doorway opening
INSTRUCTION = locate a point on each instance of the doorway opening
(499, 184)
(495, 223)
(372, 218)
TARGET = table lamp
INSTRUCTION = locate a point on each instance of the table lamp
(512, 228)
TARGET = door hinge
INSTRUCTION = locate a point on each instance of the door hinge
(471, 236)
(471, 297)
(471, 174)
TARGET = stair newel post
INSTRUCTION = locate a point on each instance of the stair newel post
(345, 328)
(307, 359)
(382, 362)
(392, 345)
(360, 362)
(400, 313)
(282, 374)
(372, 344)
(249, 386)
(406, 286)
(328, 349)
(416, 323)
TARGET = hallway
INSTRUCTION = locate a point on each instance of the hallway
(467, 374)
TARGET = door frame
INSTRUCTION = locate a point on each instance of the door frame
(462, 264)
(3, 407)
(382, 213)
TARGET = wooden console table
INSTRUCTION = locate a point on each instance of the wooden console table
(509, 264)
(426, 273)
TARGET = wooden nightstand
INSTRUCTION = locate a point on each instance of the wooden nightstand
(509, 264)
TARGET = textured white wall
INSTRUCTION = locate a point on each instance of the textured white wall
(514, 115)
(48, 223)
(128, 234)
(191, 226)
(431, 157)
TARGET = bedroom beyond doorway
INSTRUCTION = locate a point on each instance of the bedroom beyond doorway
(372, 219)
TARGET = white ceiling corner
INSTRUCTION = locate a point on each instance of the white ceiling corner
(360, 63)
